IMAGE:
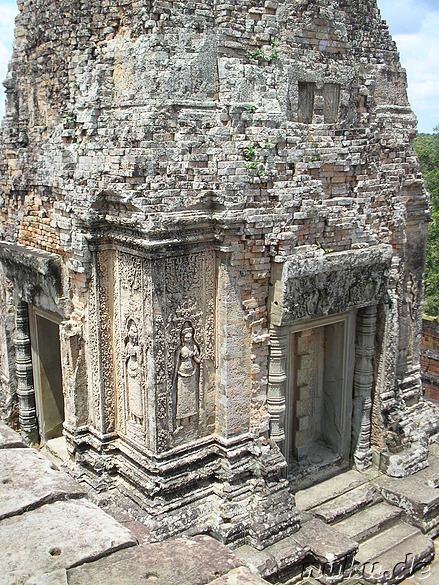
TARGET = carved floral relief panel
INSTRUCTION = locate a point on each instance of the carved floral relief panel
(100, 343)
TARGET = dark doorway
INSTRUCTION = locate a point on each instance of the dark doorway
(46, 359)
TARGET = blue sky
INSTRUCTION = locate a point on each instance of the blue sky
(414, 25)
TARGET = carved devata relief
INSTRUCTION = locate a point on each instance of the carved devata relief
(134, 364)
(184, 288)
(407, 322)
(133, 325)
(187, 376)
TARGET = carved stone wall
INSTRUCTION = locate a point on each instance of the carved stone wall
(430, 358)
(144, 308)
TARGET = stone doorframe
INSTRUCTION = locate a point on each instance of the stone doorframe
(363, 328)
(313, 288)
(343, 403)
(37, 280)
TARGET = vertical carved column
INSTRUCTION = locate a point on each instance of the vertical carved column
(363, 383)
(23, 360)
(74, 373)
(277, 378)
(101, 342)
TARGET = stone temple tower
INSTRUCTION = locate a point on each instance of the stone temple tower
(212, 242)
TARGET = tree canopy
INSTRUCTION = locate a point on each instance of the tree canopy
(427, 149)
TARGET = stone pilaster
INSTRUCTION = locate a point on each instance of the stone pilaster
(277, 378)
(363, 383)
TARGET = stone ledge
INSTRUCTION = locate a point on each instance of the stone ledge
(45, 263)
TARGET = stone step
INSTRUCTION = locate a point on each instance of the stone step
(393, 554)
(417, 495)
(328, 490)
(325, 543)
(347, 504)
(370, 521)
(285, 557)
(331, 553)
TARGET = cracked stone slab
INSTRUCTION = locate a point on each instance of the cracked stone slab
(57, 536)
(195, 561)
(9, 439)
(29, 480)
(326, 543)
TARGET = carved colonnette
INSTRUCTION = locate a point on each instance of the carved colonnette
(25, 389)
(363, 386)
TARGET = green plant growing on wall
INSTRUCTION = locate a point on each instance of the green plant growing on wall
(323, 248)
(263, 55)
(250, 108)
(69, 120)
(280, 135)
(250, 152)
(427, 149)
(255, 165)
(250, 163)
(274, 52)
(257, 54)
